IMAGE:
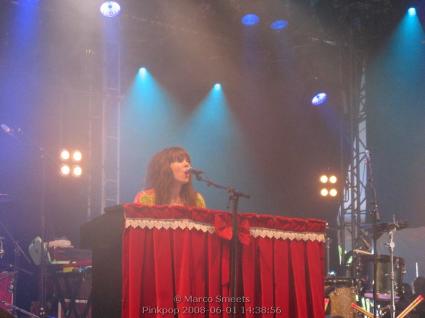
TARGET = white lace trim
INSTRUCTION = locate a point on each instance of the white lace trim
(286, 235)
(167, 224)
(186, 224)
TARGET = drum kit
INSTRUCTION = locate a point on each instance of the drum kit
(375, 281)
(7, 278)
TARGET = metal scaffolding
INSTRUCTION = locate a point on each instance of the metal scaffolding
(353, 211)
(110, 140)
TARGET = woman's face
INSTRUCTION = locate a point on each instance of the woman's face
(180, 169)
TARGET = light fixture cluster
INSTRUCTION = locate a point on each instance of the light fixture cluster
(251, 19)
(328, 185)
(71, 163)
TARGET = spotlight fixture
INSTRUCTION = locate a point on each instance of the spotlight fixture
(324, 178)
(250, 19)
(333, 179)
(65, 170)
(319, 99)
(217, 86)
(411, 11)
(333, 192)
(77, 156)
(324, 192)
(110, 9)
(143, 71)
(65, 155)
(278, 24)
(77, 171)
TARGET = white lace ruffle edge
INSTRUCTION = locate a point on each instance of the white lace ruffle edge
(171, 224)
(186, 224)
(286, 235)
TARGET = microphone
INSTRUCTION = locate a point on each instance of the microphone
(195, 172)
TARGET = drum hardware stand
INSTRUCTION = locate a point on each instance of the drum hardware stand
(391, 246)
(18, 309)
(234, 197)
(328, 248)
(18, 251)
(17, 135)
(375, 219)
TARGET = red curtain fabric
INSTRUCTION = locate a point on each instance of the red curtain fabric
(176, 263)
(169, 271)
(283, 277)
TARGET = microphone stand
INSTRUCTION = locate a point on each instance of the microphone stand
(234, 197)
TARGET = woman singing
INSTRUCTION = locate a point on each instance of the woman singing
(169, 182)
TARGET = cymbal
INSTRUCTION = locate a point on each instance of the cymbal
(362, 252)
(386, 227)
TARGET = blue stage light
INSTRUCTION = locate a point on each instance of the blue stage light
(279, 24)
(412, 11)
(29, 2)
(319, 99)
(110, 9)
(250, 19)
(217, 86)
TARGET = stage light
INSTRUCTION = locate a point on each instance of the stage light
(279, 24)
(143, 71)
(412, 11)
(65, 155)
(110, 9)
(77, 156)
(217, 86)
(328, 185)
(324, 192)
(324, 178)
(29, 2)
(70, 166)
(77, 171)
(250, 19)
(65, 170)
(319, 99)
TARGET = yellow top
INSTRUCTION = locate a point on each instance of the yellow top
(147, 197)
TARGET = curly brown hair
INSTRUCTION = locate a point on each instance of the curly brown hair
(160, 176)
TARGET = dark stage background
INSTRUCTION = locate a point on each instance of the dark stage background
(259, 133)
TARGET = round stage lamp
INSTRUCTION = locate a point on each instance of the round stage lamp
(324, 178)
(65, 170)
(77, 171)
(110, 9)
(333, 179)
(65, 155)
(250, 19)
(77, 156)
(324, 192)
(278, 24)
(333, 192)
(319, 99)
